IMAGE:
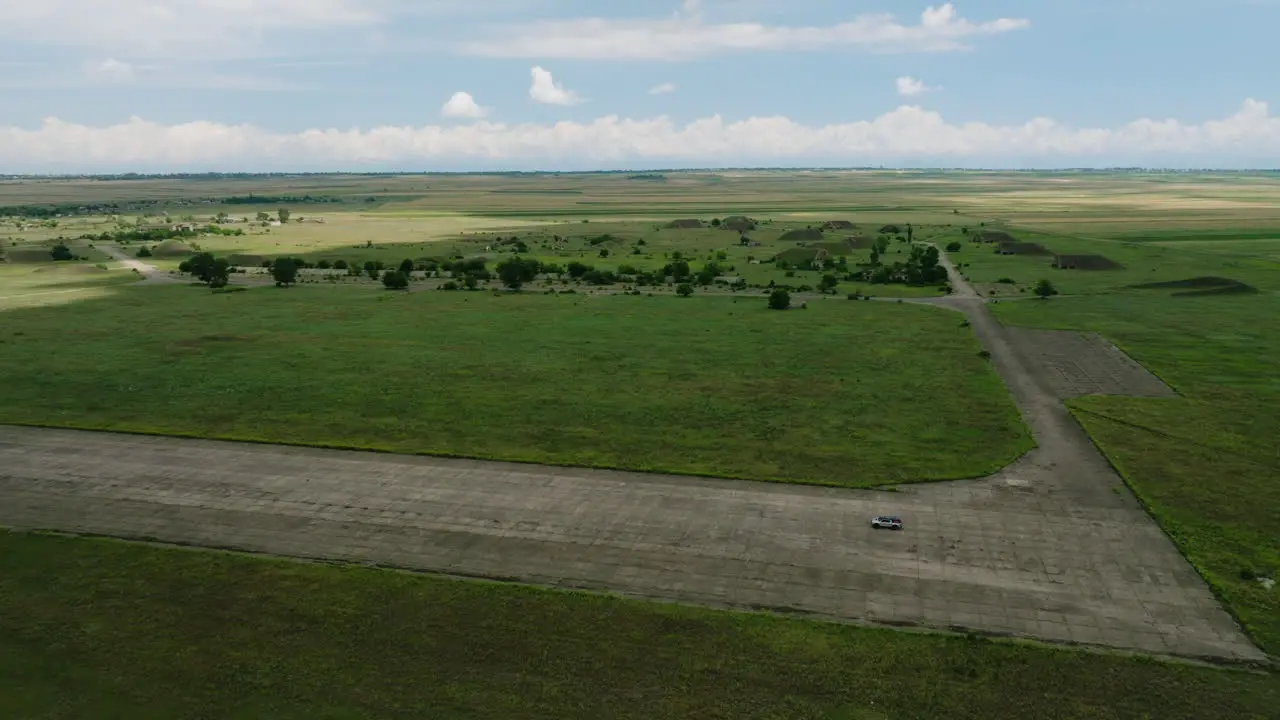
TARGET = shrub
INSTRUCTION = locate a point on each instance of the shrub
(684, 289)
(516, 271)
(779, 300)
(1045, 289)
(451, 285)
(1007, 281)
(61, 252)
(144, 251)
(395, 280)
(954, 247)
(577, 269)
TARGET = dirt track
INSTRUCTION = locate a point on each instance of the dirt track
(1053, 547)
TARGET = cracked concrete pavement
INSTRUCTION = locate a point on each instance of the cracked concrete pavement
(1053, 547)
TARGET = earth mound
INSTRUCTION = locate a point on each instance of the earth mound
(738, 223)
(891, 230)
(684, 224)
(173, 248)
(1199, 286)
(994, 236)
(838, 225)
(802, 235)
(1084, 262)
(1021, 248)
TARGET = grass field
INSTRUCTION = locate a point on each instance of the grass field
(836, 394)
(99, 628)
(1206, 463)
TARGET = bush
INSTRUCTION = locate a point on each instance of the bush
(779, 300)
(339, 264)
(1045, 289)
(143, 251)
(1007, 281)
(954, 247)
(577, 269)
(395, 280)
(451, 285)
(61, 252)
(684, 289)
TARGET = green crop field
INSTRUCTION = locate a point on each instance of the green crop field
(99, 628)
(836, 394)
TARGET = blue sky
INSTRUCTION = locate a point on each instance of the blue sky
(245, 84)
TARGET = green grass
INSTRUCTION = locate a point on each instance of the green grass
(1207, 464)
(102, 629)
(842, 393)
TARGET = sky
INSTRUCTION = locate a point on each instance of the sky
(460, 85)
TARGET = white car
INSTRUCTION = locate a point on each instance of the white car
(886, 522)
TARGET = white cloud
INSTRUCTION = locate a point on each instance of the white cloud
(149, 28)
(462, 105)
(110, 70)
(662, 89)
(546, 91)
(1249, 137)
(686, 36)
(911, 87)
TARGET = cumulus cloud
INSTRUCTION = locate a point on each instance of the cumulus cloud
(110, 70)
(1248, 137)
(462, 105)
(662, 89)
(686, 36)
(911, 87)
(548, 92)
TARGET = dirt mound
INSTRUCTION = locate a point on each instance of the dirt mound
(798, 255)
(1021, 248)
(858, 242)
(891, 230)
(1199, 286)
(29, 255)
(838, 225)
(994, 236)
(802, 235)
(173, 248)
(738, 224)
(1084, 262)
(684, 224)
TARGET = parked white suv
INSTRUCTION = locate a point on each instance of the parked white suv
(886, 522)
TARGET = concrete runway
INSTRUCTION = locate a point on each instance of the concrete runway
(1002, 555)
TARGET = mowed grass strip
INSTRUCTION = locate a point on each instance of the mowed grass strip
(1207, 463)
(843, 393)
(99, 628)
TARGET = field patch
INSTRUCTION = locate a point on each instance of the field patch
(90, 624)
(1076, 364)
(842, 393)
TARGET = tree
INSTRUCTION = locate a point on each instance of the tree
(339, 264)
(372, 268)
(61, 252)
(263, 217)
(881, 244)
(395, 280)
(1045, 289)
(604, 252)
(284, 271)
(406, 266)
(470, 282)
(577, 269)
(910, 232)
(283, 214)
(684, 289)
(779, 300)
(201, 265)
(678, 270)
(516, 271)
(143, 251)
(715, 222)
(828, 283)
(954, 247)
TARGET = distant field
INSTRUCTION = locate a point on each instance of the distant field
(97, 628)
(843, 393)
(1206, 463)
